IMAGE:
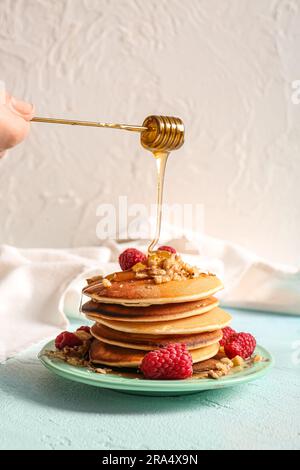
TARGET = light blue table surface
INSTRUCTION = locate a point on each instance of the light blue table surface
(39, 410)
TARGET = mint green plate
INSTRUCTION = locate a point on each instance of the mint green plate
(137, 386)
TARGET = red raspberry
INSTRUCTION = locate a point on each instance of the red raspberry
(84, 328)
(67, 339)
(130, 257)
(171, 362)
(170, 249)
(240, 344)
(227, 333)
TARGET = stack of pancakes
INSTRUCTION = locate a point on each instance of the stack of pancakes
(133, 316)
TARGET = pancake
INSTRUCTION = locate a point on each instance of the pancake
(215, 319)
(114, 356)
(150, 342)
(125, 289)
(149, 314)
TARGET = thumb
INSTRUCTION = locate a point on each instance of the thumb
(22, 108)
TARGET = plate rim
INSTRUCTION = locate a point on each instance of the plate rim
(123, 383)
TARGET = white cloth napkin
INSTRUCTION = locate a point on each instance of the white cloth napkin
(33, 285)
(39, 288)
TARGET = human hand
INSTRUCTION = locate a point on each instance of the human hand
(15, 116)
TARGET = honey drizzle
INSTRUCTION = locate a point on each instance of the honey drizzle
(161, 161)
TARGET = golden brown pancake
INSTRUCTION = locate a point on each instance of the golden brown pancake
(149, 314)
(127, 290)
(215, 319)
(150, 342)
(114, 356)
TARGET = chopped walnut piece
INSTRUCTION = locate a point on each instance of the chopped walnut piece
(100, 370)
(157, 272)
(83, 335)
(222, 367)
(227, 361)
(106, 283)
(214, 368)
(213, 374)
(158, 279)
(141, 275)
(94, 280)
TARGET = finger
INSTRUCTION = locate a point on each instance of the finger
(13, 128)
(22, 108)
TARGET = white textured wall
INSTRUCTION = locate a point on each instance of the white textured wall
(224, 66)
